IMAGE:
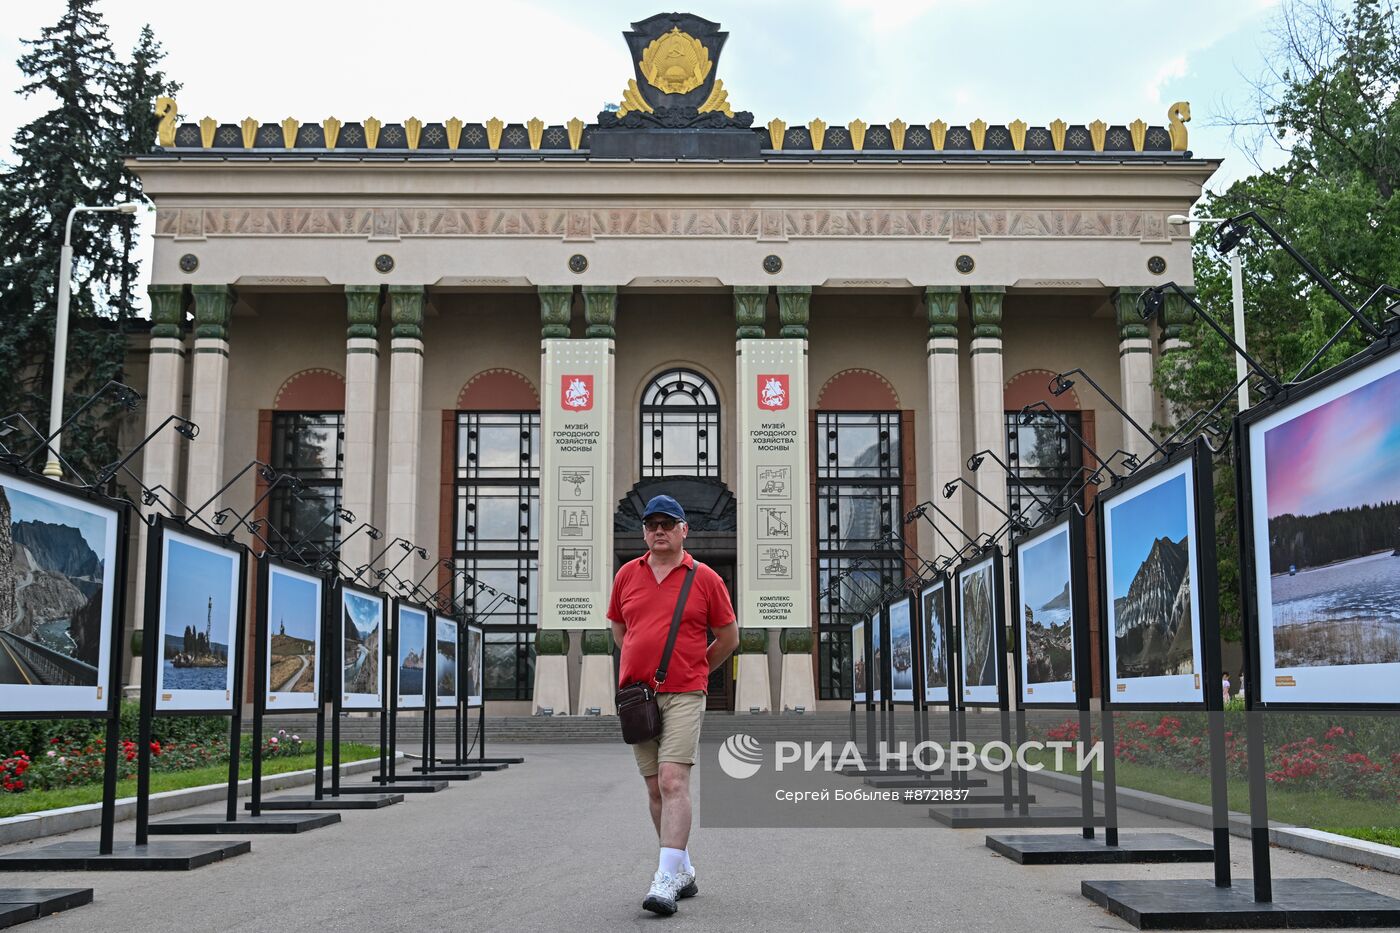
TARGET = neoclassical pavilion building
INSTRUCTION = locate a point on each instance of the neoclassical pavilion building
(495, 339)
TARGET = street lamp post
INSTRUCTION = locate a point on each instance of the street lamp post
(1237, 300)
(60, 337)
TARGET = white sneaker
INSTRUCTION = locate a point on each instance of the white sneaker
(685, 883)
(661, 898)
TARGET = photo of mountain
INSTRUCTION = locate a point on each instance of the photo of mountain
(932, 601)
(901, 653)
(1329, 555)
(1044, 613)
(413, 655)
(294, 638)
(57, 556)
(1150, 580)
(362, 630)
(976, 617)
(446, 662)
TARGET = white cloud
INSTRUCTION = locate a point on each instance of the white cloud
(1172, 68)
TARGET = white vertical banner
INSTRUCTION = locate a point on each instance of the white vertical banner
(576, 469)
(775, 580)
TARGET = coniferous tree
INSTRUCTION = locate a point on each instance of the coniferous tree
(73, 154)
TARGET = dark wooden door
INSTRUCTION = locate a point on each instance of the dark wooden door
(720, 693)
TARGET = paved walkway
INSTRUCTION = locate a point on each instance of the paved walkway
(563, 842)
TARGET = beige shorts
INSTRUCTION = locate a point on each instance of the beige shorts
(681, 716)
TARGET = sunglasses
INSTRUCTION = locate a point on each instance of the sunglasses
(659, 524)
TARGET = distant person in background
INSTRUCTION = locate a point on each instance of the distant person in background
(1240, 693)
(1225, 687)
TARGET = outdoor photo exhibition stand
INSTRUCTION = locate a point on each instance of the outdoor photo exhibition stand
(42, 683)
(443, 629)
(1294, 445)
(350, 602)
(980, 621)
(1044, 559)
(196, 585)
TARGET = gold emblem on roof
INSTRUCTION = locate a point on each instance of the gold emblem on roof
(676, 63)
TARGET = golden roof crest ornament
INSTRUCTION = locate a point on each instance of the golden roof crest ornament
(676, 63)
(675, 59)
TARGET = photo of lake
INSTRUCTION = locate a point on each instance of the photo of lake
(294, 638)
(200, 589)
(1043, 585)
(1331, 494)
(362, 629)
(413, 653)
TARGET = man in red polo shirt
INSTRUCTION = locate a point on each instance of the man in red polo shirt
(644, 596)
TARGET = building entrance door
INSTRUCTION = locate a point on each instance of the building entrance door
(720, 692)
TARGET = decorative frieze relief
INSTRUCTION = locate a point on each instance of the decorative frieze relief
(574, 224)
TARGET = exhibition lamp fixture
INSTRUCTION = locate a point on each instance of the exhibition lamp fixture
(1150, 304)
(1061, 383)
(1015, 523)
(1228, 234)
(60, 340)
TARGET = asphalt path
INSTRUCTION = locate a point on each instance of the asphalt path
(564, 842)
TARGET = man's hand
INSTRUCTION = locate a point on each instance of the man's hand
(726, 640)
(618, 630)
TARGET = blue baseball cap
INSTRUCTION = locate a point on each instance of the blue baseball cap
(664, 505)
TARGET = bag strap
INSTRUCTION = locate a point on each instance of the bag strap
(676, 622)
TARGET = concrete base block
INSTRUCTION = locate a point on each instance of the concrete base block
(751, 688)
(552, 683)
(597, 685)
(797, 687)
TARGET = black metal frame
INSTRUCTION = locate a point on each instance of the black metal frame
(262, 626)
(1206, 592)
(155, 572)
(944, 581)
(1374, 355)
(713, 445)
(998, 628)
(468, 627)
(121, 510)
(389, 744)
(910, 600)
(335, 661)
(1082, 680)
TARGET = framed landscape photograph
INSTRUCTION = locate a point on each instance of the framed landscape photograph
(412, 630)
(1152, 585)
(933, 619)
(474, 664)
(293, 631)
(362, 648)
(201, 605)
(445, 664)
(1323, 501)
(877, 656)
(1045, 614)
(901, 651)
(860, 673)
(981, 614)
(58, 598)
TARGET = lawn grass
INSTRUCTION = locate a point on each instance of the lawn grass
(1374, 820)
(37, 800)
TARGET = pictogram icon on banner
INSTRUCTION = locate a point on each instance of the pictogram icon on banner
(576, 393)
(773, 392)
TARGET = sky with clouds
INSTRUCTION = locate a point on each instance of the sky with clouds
(918, 60)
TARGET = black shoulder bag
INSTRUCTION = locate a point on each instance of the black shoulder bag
(636, 703)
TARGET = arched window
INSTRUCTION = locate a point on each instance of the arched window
(680, 426)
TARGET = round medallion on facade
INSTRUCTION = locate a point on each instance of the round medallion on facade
(189, 262)
(384, 263)
(578, 262)
(964, 264)
(1156, 265)
(772, 264)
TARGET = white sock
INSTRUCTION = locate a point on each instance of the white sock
(685, 863)
(671, 861)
